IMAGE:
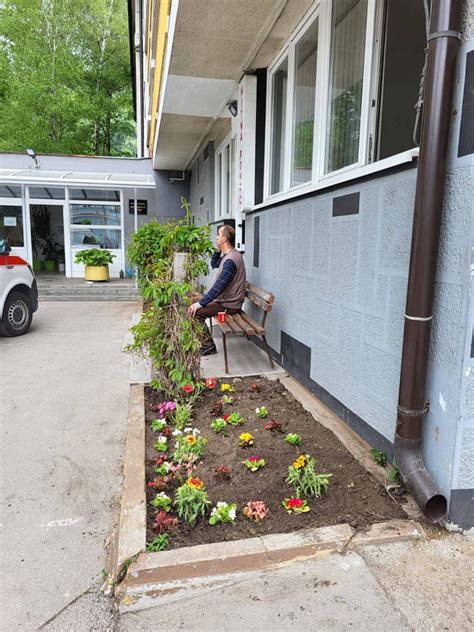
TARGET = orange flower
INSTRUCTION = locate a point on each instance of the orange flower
(191, 439)
(211, 382)
(195, 482)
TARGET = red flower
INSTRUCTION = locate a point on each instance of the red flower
(253, 387)
(151, 483)
(211, 382)
(188, 388)
(294, 502)
(166, 432)
(225, 417)
(254, 459)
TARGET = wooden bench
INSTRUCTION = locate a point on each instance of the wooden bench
(242, 325)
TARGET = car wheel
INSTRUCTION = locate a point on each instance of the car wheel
(17, 315)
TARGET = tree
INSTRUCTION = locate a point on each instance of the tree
(65, 83)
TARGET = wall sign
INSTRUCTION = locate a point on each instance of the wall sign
(142, 207)
(9, 221)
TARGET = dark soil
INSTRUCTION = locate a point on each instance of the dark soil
(353, 497)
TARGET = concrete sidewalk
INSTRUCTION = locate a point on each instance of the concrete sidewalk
(422, 586)
(64, 401)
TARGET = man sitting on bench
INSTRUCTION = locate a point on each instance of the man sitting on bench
(228, 292)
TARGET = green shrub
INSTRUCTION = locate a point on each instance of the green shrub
(94, 257)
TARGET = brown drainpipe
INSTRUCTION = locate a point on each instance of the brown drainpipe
(443, 44)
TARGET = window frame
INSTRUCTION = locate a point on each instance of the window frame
(367, 151)
(224, 190)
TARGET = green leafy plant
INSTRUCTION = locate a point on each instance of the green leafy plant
(158, 424)
(187, 446)
(218, 425)
(262, 412)
(166, 335)
(254, 463)
(304, 479)
(393, 473)
(161, 469)
(223, 512)
(161, 444)
(181, 415)
(235, 419)
(160, 543)
(191, 501)
(161, 501)
(94, 257)
(379, 457)
(227, 399)
(293, 439)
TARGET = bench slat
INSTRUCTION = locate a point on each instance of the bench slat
(228, 328)
(259, 330)
(261, 293)
(260, 302)
(247, 327)
(234, 326)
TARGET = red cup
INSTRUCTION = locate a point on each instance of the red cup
(221, 316)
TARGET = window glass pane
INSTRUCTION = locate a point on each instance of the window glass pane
(228, 167)
(306, 52)
(402, 63)
(98, 215)
(218, 212)
(10, 191)
(348, 27)
(11, 225)
(47, 193)
(95, 194)
(101, 237)
(279, 84)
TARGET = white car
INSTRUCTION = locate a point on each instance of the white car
(18, 293)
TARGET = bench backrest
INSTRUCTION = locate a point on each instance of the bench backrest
(261, 298)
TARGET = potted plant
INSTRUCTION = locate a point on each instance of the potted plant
(51, 251)
(97, 263)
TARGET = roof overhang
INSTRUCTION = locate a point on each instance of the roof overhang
(96, 180)
(213, 44)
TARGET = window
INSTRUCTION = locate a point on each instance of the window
(10, 191)
(225, 179)
(95, 223)
(306, 53)
(47, 193)
(11, 225)
(349, 18)
(278, 126)
(342, 92)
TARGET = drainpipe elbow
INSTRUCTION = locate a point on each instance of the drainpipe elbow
(418, 480)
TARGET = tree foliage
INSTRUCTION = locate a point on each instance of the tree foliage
(65, 84)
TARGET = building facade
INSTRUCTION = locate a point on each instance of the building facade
(299, 123)
(53, 206)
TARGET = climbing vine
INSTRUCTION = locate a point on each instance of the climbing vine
(165, 334)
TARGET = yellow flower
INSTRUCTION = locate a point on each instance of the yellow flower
(300, 462)
(191, 439)
(227, 388)
(246, 436)
(195, 482)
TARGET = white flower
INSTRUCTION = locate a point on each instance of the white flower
(221, 504)
(257, 410)
(163, 495)
(162, 420)
(196, 431)
(162, 439)
(176, 433)
(232, 514)
(214, 511)
(168, 466)
(188, 429)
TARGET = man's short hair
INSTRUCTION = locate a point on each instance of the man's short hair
(229, 232)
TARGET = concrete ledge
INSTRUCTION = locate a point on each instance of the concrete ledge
(131, 529)
(387, 532)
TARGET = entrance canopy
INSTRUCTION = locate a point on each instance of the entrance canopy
(76, 178)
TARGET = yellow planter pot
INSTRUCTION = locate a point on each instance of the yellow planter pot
(97, 273)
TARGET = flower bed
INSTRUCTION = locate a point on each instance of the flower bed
(273, 470)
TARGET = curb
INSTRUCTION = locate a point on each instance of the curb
(157, 575)
(131, 528)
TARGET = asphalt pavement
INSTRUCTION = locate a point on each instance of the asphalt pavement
(63, 402)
